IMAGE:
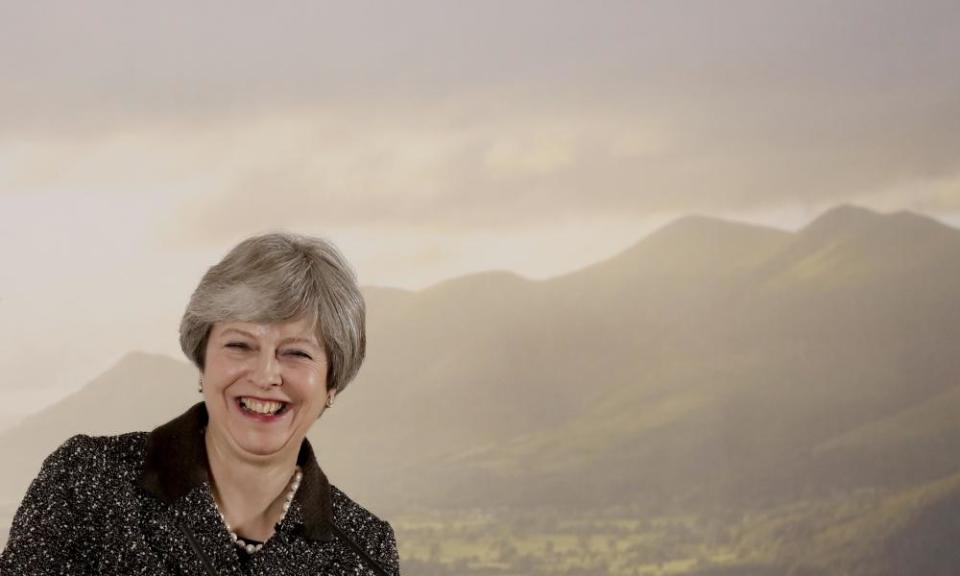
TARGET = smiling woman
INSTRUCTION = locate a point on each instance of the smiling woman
(276, 330)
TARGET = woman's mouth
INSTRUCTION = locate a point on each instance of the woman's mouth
(262, 408)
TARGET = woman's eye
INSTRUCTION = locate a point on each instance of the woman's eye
(238, 345)
(301, 354)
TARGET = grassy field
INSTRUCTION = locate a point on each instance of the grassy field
(550, 542)
(800, 538)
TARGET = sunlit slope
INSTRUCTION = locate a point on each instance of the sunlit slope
(734, 401)
(918, 442)
(912, 531)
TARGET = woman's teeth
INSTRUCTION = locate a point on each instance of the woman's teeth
(261, 407)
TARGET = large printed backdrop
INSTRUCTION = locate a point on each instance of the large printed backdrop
(714, 367)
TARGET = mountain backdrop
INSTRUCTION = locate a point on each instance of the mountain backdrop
(712, 367)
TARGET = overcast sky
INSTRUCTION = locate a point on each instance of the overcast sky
(140, 140)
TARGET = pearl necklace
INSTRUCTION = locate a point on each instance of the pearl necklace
(251, 548)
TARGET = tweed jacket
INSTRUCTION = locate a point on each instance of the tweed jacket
(140, 503)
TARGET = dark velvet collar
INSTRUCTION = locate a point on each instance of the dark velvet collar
(176, 462)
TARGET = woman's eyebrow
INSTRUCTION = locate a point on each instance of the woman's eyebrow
(291, 340)
(238, 331)
(300, 340)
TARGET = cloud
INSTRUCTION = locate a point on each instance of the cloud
(481, 116)
(513, 159)
(477, 165)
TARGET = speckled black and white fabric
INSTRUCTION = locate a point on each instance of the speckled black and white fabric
(140, 503)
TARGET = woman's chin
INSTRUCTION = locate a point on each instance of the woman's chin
(259, 443)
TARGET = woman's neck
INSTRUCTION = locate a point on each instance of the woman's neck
(250, 492)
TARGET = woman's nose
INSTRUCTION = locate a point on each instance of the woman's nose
(267, 372)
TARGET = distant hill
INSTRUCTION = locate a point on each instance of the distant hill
(138, 393)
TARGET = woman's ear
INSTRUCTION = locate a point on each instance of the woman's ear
(331, 394)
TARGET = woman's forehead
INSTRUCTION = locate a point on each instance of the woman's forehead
(299, 329)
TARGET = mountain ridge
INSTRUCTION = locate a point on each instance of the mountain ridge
(616, 384)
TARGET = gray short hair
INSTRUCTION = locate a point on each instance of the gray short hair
(280, 277)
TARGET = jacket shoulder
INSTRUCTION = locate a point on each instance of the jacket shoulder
(108, 457)
(375, 536)
(67, 504)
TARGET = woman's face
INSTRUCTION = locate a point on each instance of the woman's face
(264, 385)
